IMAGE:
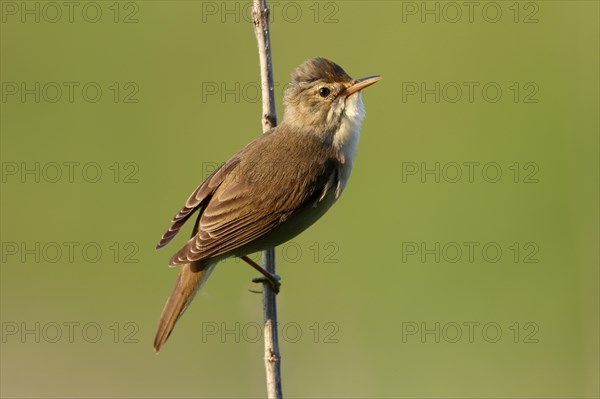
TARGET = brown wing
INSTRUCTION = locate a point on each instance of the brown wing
(197, 200)
(252, 201)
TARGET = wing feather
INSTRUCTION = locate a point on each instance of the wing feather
(242, 210)
(197, 200)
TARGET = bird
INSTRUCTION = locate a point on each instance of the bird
(273, 188)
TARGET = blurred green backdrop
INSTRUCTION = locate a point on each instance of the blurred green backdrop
(113, 112)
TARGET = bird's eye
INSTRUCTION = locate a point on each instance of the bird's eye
(324, 91)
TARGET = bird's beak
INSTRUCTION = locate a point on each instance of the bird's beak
(359, 84)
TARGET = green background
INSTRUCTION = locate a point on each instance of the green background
(349, 306)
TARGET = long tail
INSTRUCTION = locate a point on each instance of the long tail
(192, 277)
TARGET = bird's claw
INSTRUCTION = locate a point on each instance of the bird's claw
(274, 282)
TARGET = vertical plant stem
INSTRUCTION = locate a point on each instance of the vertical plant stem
(260, 13)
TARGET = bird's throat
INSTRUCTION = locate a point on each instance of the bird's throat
(346, 137)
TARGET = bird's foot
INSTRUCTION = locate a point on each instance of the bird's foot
(273, 279)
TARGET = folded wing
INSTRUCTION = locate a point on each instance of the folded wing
(241, 209)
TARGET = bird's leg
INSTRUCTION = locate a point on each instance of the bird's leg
(272, 279)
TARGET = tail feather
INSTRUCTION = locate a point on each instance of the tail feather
(192, 277)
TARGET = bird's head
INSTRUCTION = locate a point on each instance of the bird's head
(321, 94)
